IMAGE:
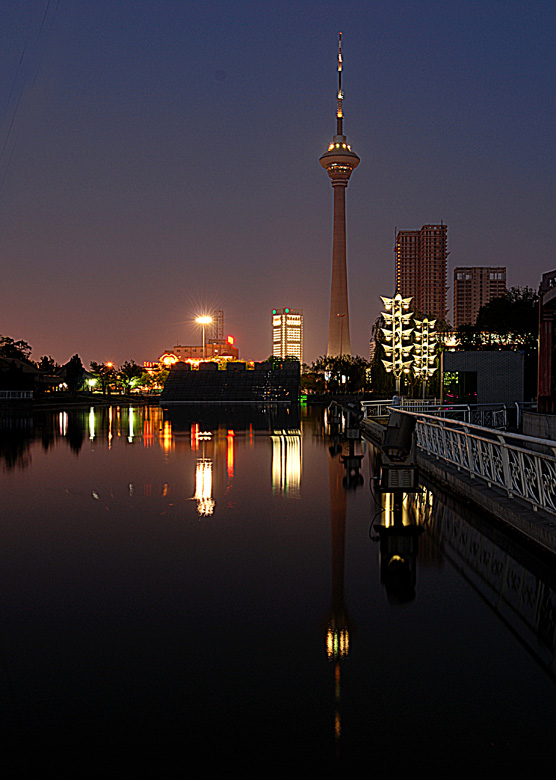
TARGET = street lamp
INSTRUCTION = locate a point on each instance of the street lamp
(204, 321)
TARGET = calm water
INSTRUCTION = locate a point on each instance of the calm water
(207, 585)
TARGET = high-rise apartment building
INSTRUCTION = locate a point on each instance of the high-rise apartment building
(287, 333)
(421, 259)
(474, 286)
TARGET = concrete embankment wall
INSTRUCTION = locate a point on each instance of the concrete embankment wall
(513, 513)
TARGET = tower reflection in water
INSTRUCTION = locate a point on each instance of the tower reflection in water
(343, 475)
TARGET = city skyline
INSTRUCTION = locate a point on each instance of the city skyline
(148, 154)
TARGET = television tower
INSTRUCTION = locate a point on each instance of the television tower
(339, 161)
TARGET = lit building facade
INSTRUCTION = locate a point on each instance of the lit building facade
(287, 333)
(339, 161)
(421, 264)
(213, 349)
(474, 286)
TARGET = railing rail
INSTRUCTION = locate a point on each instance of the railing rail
(510, 461)
(485, 415)
(382, 408)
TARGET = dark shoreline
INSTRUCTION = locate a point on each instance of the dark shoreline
(77, 402)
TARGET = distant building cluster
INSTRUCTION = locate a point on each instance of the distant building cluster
(214, 347)
(421, 274)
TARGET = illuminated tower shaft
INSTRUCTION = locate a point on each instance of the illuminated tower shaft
(339, 161)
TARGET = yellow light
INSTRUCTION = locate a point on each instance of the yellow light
(203, 320)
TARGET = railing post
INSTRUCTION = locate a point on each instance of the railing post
(540, 485)
(470, 459)
(505, 466)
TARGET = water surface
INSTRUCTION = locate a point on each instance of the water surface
(211, 583)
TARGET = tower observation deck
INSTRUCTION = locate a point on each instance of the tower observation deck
(339, 161)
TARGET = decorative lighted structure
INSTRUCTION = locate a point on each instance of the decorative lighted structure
(424, 357)
(398, 351)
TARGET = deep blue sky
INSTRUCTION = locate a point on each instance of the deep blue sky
(161, 158)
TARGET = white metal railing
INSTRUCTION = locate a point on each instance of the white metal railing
(508, 460)
(15, 395)
(485, 415)
(382, 408)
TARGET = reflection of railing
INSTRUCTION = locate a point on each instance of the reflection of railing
(485, 415)
(16, 395)
(517, 587)
(507, 460)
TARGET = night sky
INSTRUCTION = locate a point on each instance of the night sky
(160, 160)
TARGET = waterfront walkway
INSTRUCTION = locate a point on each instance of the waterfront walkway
(530, 472)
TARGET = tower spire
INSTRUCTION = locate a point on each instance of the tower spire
(339, 112)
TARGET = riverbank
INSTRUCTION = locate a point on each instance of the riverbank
(514, 514)
(79, 401)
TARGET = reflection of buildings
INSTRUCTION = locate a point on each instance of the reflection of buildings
(286, 462)
(287, 333)
(203, 487)
(242, 417)
(203, 471)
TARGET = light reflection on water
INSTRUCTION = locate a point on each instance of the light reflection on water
(178, 582)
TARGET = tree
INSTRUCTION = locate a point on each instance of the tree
(74, 373)
(130, 375)
(277, 362)
(47, 364)
(382, 382)
(514, 317)
(105, 374)
(14, 349)
(343, 373)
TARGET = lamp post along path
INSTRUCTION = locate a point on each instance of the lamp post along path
(204, 321)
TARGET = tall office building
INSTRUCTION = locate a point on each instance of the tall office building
(421, 269)
(474, 286)
(339, 161)
(287, 333)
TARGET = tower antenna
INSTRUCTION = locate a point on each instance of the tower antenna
(340, 112)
